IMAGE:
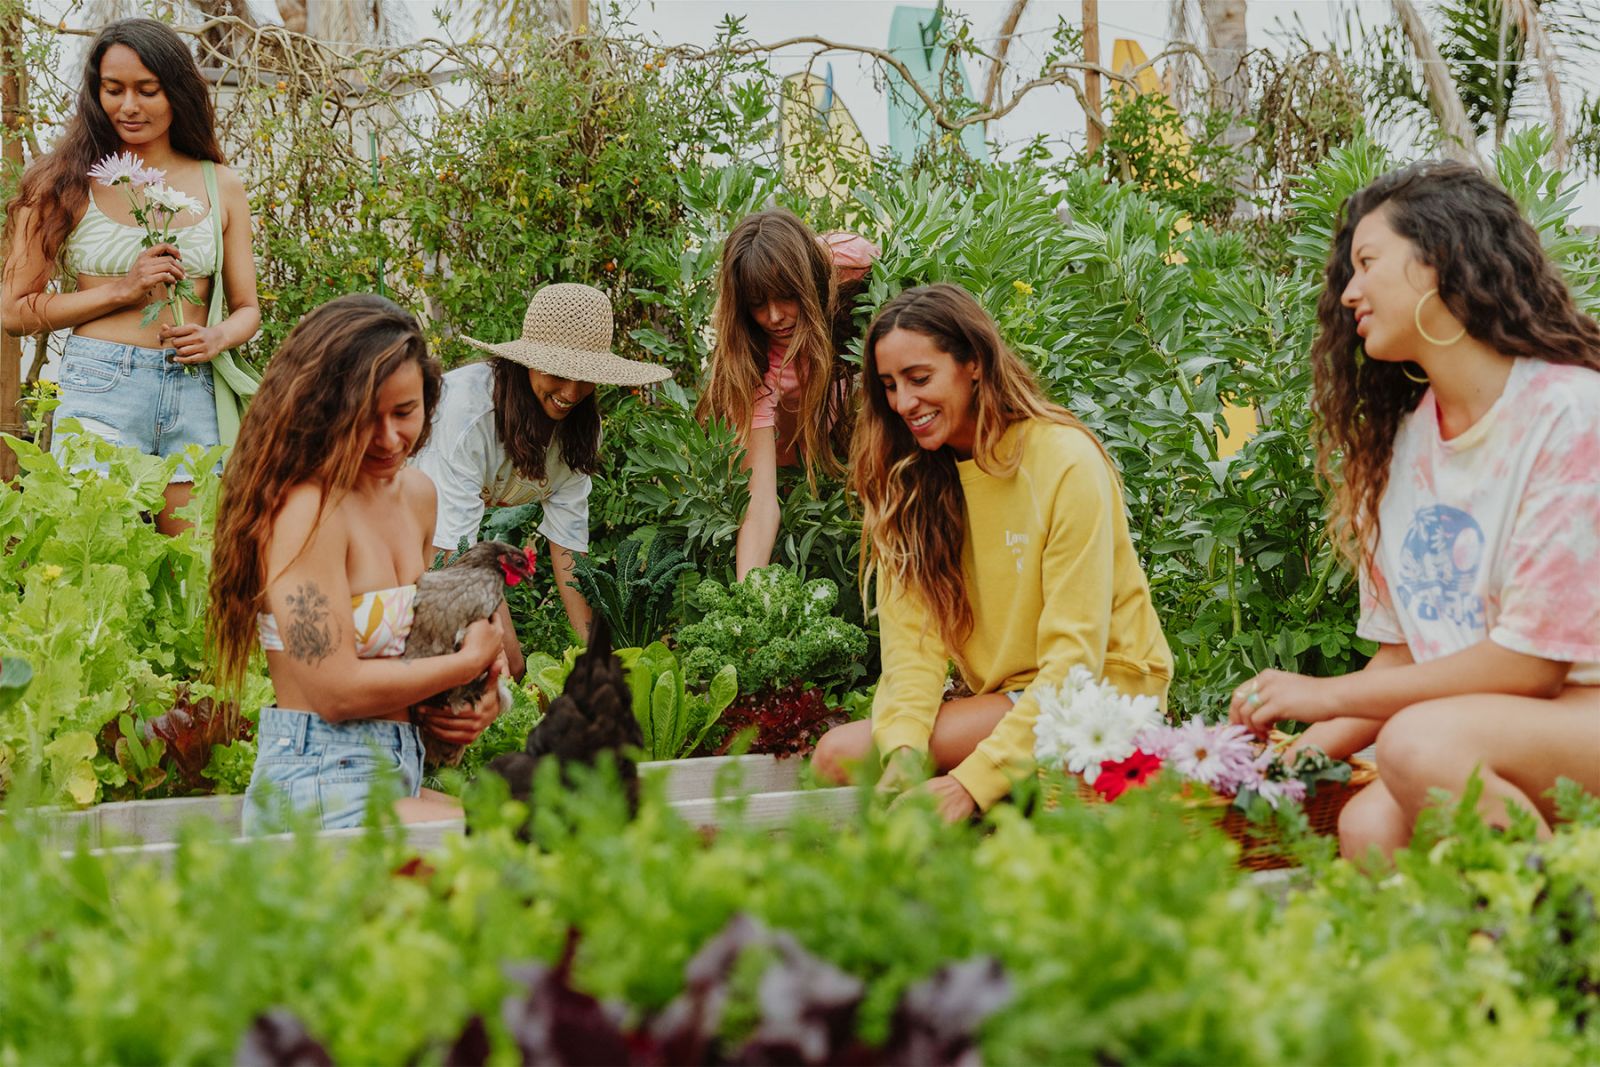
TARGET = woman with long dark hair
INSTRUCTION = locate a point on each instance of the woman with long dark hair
(525, 427)
(782, 321)
(322, 532)
(994, 522)
(146, 385)
(1456, 391)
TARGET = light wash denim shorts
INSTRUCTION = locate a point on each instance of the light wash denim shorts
(328, 768)
(137, 397)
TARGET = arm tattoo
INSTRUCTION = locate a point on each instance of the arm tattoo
(308, 636)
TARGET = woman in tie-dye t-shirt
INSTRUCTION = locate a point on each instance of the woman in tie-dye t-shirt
(1457, 390)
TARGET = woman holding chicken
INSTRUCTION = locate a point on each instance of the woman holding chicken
(323, 531)
(152, 381)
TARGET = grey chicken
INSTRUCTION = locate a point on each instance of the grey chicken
(450, 599)
(593, 715)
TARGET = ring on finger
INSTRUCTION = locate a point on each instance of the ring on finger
(1254, 698)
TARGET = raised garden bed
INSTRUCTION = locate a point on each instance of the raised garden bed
(765, 790)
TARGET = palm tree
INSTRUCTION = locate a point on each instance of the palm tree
(1483, 64)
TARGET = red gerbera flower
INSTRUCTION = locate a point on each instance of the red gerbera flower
(1117, 775)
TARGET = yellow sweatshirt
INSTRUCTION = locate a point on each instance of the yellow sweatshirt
(1053, 582)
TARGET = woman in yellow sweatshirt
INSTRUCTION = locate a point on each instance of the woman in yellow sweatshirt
(994, 523)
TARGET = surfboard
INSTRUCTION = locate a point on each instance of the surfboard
(913, 40)
(1241, 419)
(814, 123)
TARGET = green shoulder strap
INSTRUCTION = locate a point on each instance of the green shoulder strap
(232, 380)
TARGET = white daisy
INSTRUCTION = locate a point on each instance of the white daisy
(174, 200)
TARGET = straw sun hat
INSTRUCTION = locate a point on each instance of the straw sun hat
(567, 332)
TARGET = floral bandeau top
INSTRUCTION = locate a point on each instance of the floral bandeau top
(383, 620)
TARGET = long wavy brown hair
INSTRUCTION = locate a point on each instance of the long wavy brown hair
(527, 430)
(912, 505)
(1494, 277)
(311, 422)
(56, 187)
(773, 255)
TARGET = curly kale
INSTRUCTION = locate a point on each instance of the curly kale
(775, 628)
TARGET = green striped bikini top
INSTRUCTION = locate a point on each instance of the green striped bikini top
(102, 247)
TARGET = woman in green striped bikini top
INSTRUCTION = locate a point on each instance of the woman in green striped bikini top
(101, 247)
(141, 94)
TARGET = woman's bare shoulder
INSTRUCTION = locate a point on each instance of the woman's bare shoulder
(304, 516)
(420, 494)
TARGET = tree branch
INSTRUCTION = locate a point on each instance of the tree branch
(1007, 28)
(1062, 73)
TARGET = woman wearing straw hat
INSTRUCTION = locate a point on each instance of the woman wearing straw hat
(497, 422)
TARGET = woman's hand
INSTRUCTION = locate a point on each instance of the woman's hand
(461, 724)
(156, 268)
(1275, 695)
(481, 644)
(195, 343)
(904, 768)
(950, 798)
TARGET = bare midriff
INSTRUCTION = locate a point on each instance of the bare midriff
(122, 326)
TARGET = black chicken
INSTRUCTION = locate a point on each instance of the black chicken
(448, 601)
(593, 714)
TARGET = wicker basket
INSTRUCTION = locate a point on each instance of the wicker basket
(1261, 846)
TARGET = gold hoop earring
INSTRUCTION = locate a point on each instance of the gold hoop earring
(1416, 317)
(1405, 368)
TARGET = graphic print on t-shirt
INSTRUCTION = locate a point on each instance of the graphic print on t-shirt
(1439, 561)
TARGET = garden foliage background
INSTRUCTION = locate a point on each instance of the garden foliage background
(1109, 934)
(619, 164)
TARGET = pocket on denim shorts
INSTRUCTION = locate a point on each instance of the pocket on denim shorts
(90, 374)
(207, 379)
(345, 780)
(279, 785)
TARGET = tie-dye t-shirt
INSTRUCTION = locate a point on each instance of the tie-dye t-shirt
(1496, 532)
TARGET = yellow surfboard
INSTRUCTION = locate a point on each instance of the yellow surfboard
(817, 133)
(1127, 55)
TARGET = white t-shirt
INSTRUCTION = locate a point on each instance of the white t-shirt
(471, 471)
(1496, 532)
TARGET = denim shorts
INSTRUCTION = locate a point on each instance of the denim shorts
(328, 768)
(138, 397)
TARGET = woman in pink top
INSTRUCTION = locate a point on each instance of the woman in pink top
(775, 374)
(1456, 386)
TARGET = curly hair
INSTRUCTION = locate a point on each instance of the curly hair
(56, 186)
(773, 255)
(311, 422)
(527, 430)
(1494, 277)
(911, 499)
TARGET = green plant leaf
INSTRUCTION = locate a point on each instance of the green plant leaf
(665, 710)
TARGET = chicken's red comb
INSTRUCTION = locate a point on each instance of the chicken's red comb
(513, 576)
